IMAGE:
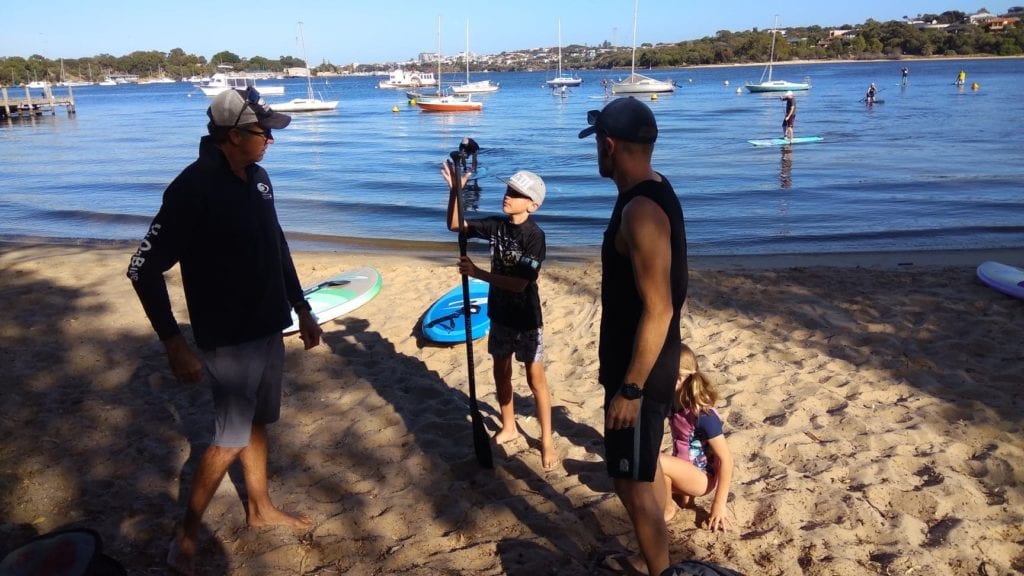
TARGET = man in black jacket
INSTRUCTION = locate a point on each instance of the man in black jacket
(218, 222)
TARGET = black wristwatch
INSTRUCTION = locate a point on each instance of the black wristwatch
(631, 391)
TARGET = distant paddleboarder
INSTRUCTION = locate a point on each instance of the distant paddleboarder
(790, 119)
(906, 76)
(961, 78)
(870, 96)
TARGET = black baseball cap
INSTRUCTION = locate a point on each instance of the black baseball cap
(626, 119)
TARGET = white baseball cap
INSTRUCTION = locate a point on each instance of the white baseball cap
(528, 184)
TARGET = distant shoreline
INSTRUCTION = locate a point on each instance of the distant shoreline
(827, 61)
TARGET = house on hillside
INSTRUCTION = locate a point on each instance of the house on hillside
(999, 24)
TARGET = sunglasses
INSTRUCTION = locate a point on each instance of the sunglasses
(252, 96)
(266, 135)
(513, 193)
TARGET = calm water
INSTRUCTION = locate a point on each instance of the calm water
(934, 166)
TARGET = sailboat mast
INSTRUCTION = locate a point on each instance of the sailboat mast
(467, 50)
(309, 71)
(632, 66)
(771, 53)
(438, 54)
(559, 48)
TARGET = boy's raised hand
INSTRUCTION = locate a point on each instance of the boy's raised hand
(448, 171)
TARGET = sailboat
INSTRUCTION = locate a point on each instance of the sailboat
(310, 103)
(446, 102)
(567, 80)
(638, 83)
(770, 85)
(478, 87)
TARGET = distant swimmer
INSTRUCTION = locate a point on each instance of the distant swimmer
(906, 74)
(790, 119)
(870, 96)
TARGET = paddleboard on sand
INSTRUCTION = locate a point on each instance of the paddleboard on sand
(786, 141)
(339, 295)
(444, 321)
(1006, 279)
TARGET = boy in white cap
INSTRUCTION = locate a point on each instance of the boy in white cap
(790, 119)
(513, 303)
(219, 224)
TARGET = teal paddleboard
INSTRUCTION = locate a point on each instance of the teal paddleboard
(339, 295)
(786, 141)
(444, 320)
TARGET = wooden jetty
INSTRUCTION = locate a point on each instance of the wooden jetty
(47, 102)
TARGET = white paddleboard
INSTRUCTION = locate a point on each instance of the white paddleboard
(339, 295)
(1002, 277)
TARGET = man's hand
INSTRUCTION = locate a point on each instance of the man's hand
(309, 331)
(622, 413)
(185, 365)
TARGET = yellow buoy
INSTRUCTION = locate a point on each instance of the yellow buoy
(975, 86)
(412, 101)
(654, 96)
(394, 108)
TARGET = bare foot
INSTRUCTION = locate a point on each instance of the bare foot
(506, 436)
(549, 457)
(670, 513)
(181, 556)
(275, 517)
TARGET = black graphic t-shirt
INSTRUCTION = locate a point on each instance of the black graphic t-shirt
(516, 251)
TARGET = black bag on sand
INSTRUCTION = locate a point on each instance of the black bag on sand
(72, 552)
(698, 568)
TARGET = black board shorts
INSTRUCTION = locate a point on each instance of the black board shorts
(632, 453)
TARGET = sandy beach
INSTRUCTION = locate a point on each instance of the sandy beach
(872, 403)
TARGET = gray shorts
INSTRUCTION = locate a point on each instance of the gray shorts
(246, 384)
(528, 345)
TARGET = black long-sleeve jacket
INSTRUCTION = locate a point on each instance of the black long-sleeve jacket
(237, 271)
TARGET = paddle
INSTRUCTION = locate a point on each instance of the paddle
(481, 441)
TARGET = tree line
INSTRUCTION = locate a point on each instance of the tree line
(145, 64)
(870, 40)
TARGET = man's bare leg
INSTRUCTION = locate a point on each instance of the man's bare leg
(209, 474)
(647, 512)
(261, 511)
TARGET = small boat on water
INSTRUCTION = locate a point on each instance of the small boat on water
(562, 79)
(638, 83)
(404, 79)
(220, 82)
(310, 103)
(446, 102)
(769, 85)
(478, 87)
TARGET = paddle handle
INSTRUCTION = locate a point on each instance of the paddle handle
(481, 441)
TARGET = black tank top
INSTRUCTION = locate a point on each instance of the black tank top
(621, 306)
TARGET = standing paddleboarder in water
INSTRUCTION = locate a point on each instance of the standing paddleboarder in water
(790, 119)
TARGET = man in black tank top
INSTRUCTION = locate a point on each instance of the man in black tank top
(643, 287)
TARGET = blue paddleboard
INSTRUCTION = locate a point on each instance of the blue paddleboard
(444, 321)
(786, 141)
(1006, 279)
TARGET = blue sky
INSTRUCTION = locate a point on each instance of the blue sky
(365, 31)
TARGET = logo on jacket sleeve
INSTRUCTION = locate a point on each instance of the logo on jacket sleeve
(265, 191)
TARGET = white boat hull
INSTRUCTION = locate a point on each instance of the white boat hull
(640, 84)
(778, 86)
(304, 105)
(481, 87)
